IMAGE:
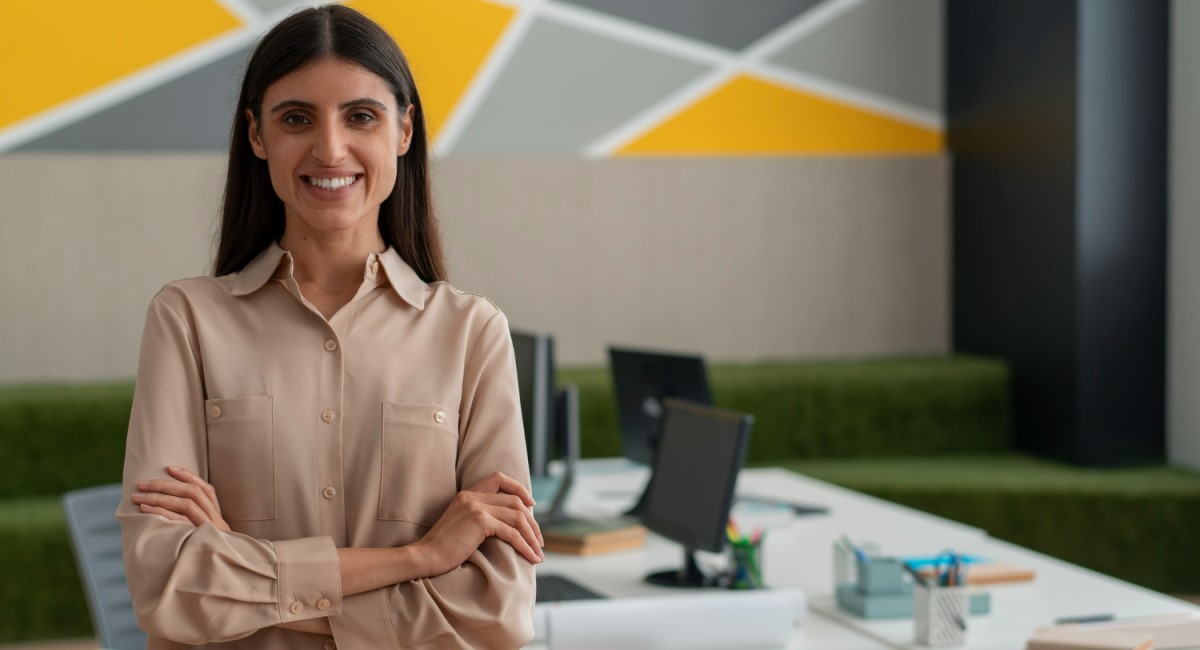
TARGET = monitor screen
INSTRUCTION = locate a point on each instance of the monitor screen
(535, 382)
(700, 453)
(641, 380)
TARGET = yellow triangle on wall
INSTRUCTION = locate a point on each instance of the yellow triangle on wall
(55, 51)
(751, 116)
(445, 43)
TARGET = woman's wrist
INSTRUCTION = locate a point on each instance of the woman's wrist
(365, 569)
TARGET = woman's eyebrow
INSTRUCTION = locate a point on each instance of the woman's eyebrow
(361, 101)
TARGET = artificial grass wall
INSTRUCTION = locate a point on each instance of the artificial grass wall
(829, 409)
(61, 438)
(1137, 524)
(40, 594)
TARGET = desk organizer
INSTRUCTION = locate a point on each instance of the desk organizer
(875, 587)
(940, 615)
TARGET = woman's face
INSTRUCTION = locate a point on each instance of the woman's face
(330, 133)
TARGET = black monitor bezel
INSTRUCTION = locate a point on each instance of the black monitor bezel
(638, 441)
(539, 435)
(716, 542)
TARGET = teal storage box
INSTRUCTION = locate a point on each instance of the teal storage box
(880, 576)
(894, 605)
(897, 605)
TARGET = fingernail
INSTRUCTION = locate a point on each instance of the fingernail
(172, 468)
(138, 495)
(145, 507)
(142, 484)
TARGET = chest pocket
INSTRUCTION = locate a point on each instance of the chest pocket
(419, 455)
(241, 456)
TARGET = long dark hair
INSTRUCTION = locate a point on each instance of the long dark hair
(252, 216)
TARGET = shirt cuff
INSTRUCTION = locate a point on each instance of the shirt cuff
(310, 578)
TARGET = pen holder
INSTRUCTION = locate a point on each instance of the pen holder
(746, 567)
(940, 615)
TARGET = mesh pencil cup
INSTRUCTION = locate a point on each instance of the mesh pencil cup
(940, 615)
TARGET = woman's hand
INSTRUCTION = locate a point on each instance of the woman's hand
(187, 497)
(497, 506)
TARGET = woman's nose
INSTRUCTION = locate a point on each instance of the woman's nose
(330, 145)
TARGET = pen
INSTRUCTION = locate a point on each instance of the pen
(1086, 618)
(858, 552)
(915, 576)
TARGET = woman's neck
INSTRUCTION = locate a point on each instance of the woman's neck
(330, 263)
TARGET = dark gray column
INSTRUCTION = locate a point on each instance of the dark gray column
(1057, 120)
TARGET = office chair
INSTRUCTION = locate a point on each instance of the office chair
(96, 540)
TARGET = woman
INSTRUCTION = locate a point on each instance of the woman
(325, 447)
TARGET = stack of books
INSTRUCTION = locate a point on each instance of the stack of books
(589, 537)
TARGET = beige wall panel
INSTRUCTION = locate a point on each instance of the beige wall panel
(85, 243)
(740, 259)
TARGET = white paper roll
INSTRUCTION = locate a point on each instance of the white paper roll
(726, 619)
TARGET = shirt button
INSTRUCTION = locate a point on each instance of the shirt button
(327, 415)
(215, 411)
(330, 644)
(374, 266)
(331, 345)
(296, 608)
(329, 492)
(439, 417)
(323, 605)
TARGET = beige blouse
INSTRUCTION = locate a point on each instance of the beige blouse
(316, 434)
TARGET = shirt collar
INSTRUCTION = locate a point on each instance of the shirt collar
(384, 269)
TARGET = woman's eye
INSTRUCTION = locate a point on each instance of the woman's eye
(295, 120)
(362, 117)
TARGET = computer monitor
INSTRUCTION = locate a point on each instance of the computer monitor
(700, 453)
(535, 383)
(551, 420)
(641, 380)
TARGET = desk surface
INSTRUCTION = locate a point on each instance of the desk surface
(799, 554)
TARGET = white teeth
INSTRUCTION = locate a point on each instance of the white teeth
(331, 183)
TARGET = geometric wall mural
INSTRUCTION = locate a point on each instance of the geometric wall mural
(594, 78)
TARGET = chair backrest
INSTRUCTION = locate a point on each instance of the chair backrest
(96, 538)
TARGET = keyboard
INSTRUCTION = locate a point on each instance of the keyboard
(555, 588)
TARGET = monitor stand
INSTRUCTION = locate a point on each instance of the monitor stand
(689, 575)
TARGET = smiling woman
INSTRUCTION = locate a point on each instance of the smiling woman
(325, 448)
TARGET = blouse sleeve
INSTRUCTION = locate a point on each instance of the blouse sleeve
(192, 584)
(488, 601)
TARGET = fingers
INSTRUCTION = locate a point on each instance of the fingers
(185, 508)
(514, 528)
(155, 510)
(513, 503)
(186, 475)
(186, 486)
(501, 482)
(512, 516)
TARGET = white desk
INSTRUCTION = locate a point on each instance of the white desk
(799, 555)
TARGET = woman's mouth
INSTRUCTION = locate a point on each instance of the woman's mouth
(331, 183)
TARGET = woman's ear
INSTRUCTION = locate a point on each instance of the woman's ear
(255, 135)
(406, 131)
